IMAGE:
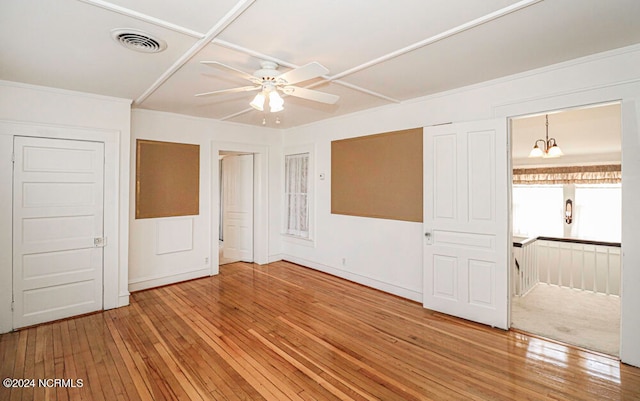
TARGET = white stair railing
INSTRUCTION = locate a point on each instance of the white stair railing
(579, 265)
(526, 266)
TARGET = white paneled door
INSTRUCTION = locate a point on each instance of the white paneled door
(57, 229)
(237, 227)
(465, 221)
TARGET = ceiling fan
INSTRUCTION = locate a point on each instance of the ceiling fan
(269, 81)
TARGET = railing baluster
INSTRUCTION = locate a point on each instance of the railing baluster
(608, 270)
(570, 265)
(538, 254)
(534, 261)
(558, 264)
(548, 263)
(582, 267)
(595, 270)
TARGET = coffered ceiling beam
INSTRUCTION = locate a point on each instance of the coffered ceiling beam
(234, 13)
(442, 35)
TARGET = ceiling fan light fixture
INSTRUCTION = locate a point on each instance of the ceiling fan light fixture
(258, 102)
(276, 103)
(270, 82)
(276, 108)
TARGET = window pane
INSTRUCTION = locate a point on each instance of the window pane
(598, 212)
(296, 194)
(538, 210)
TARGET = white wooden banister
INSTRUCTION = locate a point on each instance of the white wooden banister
(526, 266)
(578, 264)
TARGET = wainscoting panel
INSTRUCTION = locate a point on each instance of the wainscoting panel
(174, 235)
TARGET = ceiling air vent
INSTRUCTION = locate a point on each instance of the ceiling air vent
(139, 41)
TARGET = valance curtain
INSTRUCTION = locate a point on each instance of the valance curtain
(598, 174)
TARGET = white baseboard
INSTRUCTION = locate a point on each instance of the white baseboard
(6, 325)
(123, 300)
(357, 278)
(151, 282)
(275, 258)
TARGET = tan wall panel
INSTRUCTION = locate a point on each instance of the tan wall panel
(378, 176)
(167, 179)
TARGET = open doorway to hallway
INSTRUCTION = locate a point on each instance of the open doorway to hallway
(566, 216)
(236, 207)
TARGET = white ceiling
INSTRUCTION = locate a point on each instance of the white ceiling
(378, 52)
(586, 135)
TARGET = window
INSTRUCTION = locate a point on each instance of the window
(538, 210)
(297, 202)
(598, 212)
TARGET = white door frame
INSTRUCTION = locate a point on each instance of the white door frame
(512, 278)
(113, 273)
(628, 94)
(260, 200)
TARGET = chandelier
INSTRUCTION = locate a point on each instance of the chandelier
(549, 147)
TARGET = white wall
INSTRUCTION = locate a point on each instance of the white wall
(149, 263)
(384, 254)
(41, 111)
(388, 254)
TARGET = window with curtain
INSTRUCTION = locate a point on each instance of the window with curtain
(598, 212)
(297, 195)
(538, 210)
(597, 174)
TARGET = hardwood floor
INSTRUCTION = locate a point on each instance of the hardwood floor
(284, 332)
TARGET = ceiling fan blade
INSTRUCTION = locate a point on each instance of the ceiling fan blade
(309, 94)
(232, 90)
(304, 73)
(236, 71)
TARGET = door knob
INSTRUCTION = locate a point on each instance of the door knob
(428, 237)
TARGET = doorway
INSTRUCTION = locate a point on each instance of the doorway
(58, 233)
(566, 227)
(235, 242)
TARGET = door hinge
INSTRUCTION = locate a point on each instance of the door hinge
(13, 157)
(12, 305)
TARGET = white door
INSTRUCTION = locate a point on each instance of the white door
(465, 221)
(237, 227)
(57, 227)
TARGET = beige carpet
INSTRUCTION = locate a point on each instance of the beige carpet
(580, 318)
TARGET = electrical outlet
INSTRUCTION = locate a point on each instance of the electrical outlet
(206, 261)
(344, 261)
